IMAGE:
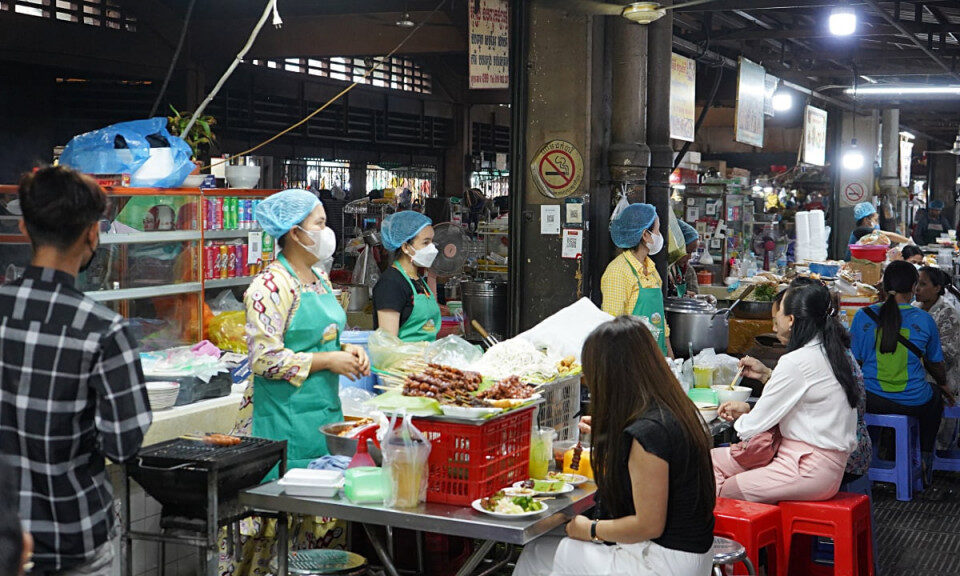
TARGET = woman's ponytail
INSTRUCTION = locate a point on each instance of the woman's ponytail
(900, 277)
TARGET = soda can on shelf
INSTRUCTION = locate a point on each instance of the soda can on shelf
(210, 213)
(234, 213)
(223, 262)
(253, 214)
(209, 261)
(232, 261)
(228, 213)
(267, 248)
(218, 213)
(241, 259)
(247, 214)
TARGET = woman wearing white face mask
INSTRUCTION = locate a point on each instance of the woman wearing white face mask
(631, 284)
(403, 303)
(294, 323)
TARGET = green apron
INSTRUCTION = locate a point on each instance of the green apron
(424, 322)
(282, 411)
(650, 306)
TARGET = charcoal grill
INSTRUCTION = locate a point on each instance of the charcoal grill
(197, 486)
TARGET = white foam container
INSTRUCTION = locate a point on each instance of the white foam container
(312, 483)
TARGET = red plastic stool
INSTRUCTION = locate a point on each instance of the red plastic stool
(845, 518)
(756, 526)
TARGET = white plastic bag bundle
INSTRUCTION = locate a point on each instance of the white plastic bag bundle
(406, 451)
(621, 204)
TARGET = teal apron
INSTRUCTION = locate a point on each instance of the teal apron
(650, 307)
(282, 411)
(424, 322)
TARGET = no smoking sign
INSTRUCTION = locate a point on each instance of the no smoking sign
(854, 193)
(557, 169)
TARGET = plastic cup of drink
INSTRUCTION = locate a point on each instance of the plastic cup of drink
(703, 376)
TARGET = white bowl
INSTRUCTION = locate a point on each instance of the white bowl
(738, 394)
(194, 180)
(242, 176)
(709, 414)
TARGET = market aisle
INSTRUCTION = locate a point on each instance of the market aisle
(922, 537)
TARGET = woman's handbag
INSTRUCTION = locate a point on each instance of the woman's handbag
(758, 451)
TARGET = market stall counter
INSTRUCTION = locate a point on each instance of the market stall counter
(427, 517)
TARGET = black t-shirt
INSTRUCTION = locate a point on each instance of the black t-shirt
(393, 292)
(689, 526)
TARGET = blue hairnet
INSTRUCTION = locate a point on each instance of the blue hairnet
(627, 230)
(862, 210)
(936, 205)
(689, 232)
(278, 213)
(401, 227)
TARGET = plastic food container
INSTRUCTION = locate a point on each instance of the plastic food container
(869, 253)
(365, 484)
(312, 483)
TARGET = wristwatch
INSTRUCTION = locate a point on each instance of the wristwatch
(593, 533)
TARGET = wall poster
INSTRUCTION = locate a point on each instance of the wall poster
(815, 136)
(751, 93)
(683, 91)
(489, 50)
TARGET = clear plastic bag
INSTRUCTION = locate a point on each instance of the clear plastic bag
(452, 351)
(226, 302)
(621, 204)
(677, 248)
(386, 350)
(406, 451)
(352, 402)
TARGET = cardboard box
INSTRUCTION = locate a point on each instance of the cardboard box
(870, 272)
(719, 165)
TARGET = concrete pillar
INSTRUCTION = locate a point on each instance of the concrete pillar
(890, 167)
(942, 181)
(851, 182)
(628, 155)
(455, 172)
(660, 47)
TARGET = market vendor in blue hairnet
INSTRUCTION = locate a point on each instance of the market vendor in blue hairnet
(294, 322)
(403, 302)
(682, 277)
(931, 223)
(868, 220)
(631, 284)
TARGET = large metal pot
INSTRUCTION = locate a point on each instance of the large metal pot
(341, 446)
(486, 302)
(695, 325)
(753, 310)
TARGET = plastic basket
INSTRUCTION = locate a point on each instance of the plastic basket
(561, 404)
(869, 252)
(470, 461)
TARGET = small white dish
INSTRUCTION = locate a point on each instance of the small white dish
(469, 412)
(567, 488)
(571, 479)
(476, 506)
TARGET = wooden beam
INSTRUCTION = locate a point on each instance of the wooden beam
(821, 32)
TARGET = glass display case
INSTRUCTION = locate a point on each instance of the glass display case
(160, 250)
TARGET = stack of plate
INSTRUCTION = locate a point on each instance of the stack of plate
(162, 395)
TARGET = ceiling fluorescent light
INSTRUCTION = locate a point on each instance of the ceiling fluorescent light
(905, 90)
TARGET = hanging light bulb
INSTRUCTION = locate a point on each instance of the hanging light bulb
(853, 157)
(843, 21)
(956, 146)
(782, 100)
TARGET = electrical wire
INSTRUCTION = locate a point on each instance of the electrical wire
(173, 63)
(342, 93)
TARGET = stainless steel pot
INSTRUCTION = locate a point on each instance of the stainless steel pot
(340, 446)
(695, 325)
(753, 310)
(486, 302)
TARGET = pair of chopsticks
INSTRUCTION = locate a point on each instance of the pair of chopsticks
(489, 340)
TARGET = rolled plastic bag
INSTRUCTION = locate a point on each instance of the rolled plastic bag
(453, 351)
(406, 452)
(387, 351)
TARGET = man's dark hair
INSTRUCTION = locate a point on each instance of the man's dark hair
(11, 531)
(58, 205)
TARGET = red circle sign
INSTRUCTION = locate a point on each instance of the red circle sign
(557, 169)
(855, 193)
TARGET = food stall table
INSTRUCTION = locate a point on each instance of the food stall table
(427, 517)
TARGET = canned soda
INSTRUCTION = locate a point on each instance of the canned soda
(224, 261)
(267, 248)
(210, 213)
(253, 214)
(232, 261)
(234, 210)
(209, 261)
(246, 208)
(218, 213)
(241, 260)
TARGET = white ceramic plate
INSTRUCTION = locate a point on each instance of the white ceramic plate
(470, 412)
(571, 479)
(476, 506)
(567, 488)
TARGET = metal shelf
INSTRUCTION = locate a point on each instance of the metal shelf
(228, 234)
(144, 292)
(227, 282)
(149, 237)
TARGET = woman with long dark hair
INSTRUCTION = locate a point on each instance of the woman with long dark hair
(811, 395)
(894, 342)
(931, 297)
(651, 460)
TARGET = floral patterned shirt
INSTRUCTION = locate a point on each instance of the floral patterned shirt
(859, 460)
(271, 302)
(948, 324)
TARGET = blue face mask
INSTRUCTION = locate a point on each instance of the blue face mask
(876, 226)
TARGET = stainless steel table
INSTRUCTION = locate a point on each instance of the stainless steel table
(441, 518)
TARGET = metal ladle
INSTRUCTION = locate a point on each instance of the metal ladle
(743, 296)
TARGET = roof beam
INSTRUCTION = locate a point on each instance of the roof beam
(729, 5)
(822, 32)
(899, 26)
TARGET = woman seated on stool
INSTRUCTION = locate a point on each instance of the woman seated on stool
(811, 395)
(651, 460)
(932, 297)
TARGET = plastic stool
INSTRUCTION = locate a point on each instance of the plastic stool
(726, 552)
(905, 471)
(948, 459)
(845, 518)
(323, 562)
(754, 525)
(823, 547)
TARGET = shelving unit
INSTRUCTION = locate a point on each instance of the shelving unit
(154, 277)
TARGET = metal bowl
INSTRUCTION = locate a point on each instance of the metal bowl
(341, 446)
(753, 310)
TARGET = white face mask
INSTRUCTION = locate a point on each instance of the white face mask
(324, 242)
(424, 257)
(657, 244)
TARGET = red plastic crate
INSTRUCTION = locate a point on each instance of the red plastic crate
(470, 461)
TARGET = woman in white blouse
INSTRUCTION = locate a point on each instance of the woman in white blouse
(812, 397)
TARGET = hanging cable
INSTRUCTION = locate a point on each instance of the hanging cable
(173, 63)
(339, 95)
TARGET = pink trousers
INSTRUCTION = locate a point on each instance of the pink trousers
(798, 472)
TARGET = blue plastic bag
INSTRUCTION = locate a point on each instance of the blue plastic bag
(126, 148)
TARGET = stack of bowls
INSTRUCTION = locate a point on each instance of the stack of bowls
(162, 395)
